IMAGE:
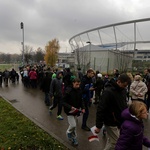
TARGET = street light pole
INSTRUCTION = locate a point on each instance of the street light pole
(22, 27)
(89, 53)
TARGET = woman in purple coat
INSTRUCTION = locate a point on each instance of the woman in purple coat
(131, 132)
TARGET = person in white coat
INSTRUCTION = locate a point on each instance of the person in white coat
(138, 89)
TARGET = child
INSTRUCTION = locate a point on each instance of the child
(72, 102)
(131, 132)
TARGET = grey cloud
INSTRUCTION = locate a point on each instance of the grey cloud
(62, 19)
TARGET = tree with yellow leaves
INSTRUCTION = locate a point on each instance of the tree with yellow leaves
(51, 55)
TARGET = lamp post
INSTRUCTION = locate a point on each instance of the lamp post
(89, 63)
(22, 27)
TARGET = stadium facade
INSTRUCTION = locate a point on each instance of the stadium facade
(111, 46)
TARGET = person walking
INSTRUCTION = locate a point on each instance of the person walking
(79, 74)
(33, 78)
(116, 74)
(128, 87)
(6, 75)
(98, 88)
(13, 75)
(87, 94)
(138, 89)
(45, 87)
(56, 93)
(147, 82)
(131, 132)
(25, 78)
(73, 106)
(1, 78)
(67, 78)
(112, 103)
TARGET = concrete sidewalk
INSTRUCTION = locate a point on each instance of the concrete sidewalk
(30, 102)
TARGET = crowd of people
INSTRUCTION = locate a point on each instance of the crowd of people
(6, 76)
(123, 123)
(113, 110)
(75, 92)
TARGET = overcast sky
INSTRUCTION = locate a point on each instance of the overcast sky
(45, 20)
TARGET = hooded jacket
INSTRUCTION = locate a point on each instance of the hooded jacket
(56, 86)
(131, 133)
(112, 103)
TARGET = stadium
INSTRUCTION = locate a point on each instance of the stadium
(112, 46)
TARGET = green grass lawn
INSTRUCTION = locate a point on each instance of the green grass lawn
(17, 132)
(5, 66)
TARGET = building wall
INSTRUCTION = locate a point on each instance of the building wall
(102, 60)
(106, 60)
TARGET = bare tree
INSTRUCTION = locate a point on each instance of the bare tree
(39, 55)
(28, 50)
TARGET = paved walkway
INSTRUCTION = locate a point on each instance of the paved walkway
(30, 102)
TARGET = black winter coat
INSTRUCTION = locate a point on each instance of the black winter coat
(45, 85)
(113, 102)
(72, 98)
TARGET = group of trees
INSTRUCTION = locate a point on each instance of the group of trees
(50, 54)
(30, 56)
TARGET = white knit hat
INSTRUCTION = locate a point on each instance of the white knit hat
(99, 75)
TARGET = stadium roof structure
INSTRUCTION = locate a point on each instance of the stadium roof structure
(129, 35)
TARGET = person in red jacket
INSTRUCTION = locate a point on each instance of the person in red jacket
(33, 78)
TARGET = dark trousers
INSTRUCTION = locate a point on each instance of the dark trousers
(86, 114)
(34, 83)
(6, 81)
(0, 81)
(148, 102)
(57, 101)
(47, 99)
(26, 81)
(97, 95)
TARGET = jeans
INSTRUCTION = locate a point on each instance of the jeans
(86, 114)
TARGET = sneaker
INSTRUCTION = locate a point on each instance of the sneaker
(69, 136)
(60, 117)
(86, 128)
(74, 142)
